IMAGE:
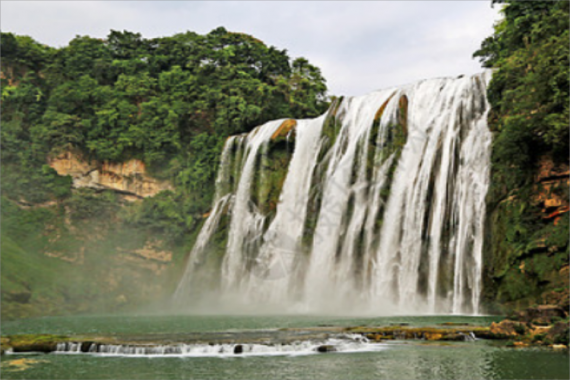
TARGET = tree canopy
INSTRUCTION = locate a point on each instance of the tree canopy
(529, 90)
(169, 101)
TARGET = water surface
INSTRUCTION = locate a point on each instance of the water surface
(396, 359)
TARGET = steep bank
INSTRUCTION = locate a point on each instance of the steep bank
(78, 256)
(527, 250)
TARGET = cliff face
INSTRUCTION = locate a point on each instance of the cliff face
(527, 242)
(57, 262)
(550, 184)
(129, 178)
(82, 254)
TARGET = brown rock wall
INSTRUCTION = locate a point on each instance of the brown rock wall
(129, 177)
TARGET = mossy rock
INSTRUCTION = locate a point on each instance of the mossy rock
(34, 343)
(287, 128)
(333, 122)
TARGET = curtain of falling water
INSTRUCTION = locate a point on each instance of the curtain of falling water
(398, 228)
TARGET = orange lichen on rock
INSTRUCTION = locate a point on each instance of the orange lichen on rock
(551, 188)
(557, 214)
(433, 336)
(382, 108)
(504, 328)
(284, 128)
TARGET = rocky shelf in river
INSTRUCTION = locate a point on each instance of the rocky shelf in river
(322, 339)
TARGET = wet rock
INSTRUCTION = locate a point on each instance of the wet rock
(374, 337)
(238, 349)
(4, 345)
(433, 336)
(45, 347)
(543, 314)
(559, 333)
(85, 346)
(284, 129)
(34, 342)
(537, 333)
(507, 328)
(326, 348)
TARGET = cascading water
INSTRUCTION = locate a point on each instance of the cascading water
(338, 343)
(375, 207)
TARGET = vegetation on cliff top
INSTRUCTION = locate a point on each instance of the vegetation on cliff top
(170, 101)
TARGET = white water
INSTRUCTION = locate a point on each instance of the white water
(415, 249)
(282, 240)
(345, 344)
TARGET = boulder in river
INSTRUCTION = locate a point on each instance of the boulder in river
(326, 348)
(506, 328)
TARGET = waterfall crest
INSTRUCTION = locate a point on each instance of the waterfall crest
(376, 207)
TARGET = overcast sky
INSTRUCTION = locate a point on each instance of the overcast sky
(359, 46)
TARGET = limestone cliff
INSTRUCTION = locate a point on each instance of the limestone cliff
(81, 254)
(527, 246)
(129, 177)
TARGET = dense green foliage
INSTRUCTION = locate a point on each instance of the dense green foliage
(529, 95)
(170, 102)
(529, 91)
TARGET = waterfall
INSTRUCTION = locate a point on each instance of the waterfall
(376, 207)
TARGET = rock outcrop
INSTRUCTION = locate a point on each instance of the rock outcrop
(507, 328)
(130, 177)
(550, 184)
(541, 315)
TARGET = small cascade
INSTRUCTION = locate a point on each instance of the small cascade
(344, 344)
(375, 207)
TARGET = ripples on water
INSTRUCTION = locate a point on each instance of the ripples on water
(395, 360)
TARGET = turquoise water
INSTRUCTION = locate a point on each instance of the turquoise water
(149, 324)
(398, 360)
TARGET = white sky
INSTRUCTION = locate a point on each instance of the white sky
(360, 46)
